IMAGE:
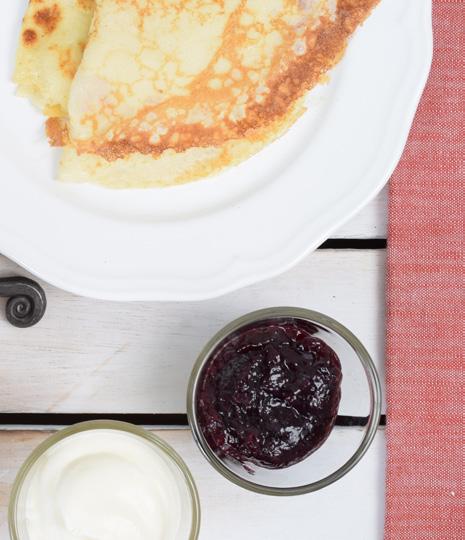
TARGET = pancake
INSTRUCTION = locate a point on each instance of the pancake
(53, 36)
(168, 91)
(171, 167)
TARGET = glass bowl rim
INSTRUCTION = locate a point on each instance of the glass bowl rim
(309, 316)
(126, 427)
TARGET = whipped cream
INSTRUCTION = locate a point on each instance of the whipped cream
(104, 484)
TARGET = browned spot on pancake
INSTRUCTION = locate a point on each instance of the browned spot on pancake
(325, 45)
(86, 4)
(48, 18)
(67, 65)
(56, 131)
(29, 36)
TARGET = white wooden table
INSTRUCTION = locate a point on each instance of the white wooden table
(93, 357)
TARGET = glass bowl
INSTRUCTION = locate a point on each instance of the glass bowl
(190, 526)
(342, 450)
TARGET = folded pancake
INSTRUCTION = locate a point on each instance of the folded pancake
(168, 91)
(171, 167)
(53, 36)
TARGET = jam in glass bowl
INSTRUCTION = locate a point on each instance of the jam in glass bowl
(264, 398)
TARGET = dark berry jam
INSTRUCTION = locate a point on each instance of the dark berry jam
(269, 394)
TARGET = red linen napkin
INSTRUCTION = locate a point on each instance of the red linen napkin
(426, 304)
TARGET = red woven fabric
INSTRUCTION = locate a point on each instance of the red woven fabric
(426, 304)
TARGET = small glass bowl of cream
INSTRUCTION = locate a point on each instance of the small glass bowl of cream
(284, 401)
(104, 479)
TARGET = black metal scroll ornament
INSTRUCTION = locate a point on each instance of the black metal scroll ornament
(27, 301)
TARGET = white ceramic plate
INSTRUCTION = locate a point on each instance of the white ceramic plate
(254, 221)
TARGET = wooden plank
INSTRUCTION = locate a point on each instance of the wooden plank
(370, 222)
(96, 356)
(351, 508)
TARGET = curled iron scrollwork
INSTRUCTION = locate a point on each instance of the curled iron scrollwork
(26, 301)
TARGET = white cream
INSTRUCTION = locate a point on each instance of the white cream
(104, 484)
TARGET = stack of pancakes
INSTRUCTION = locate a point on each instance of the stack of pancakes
(159, 92)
